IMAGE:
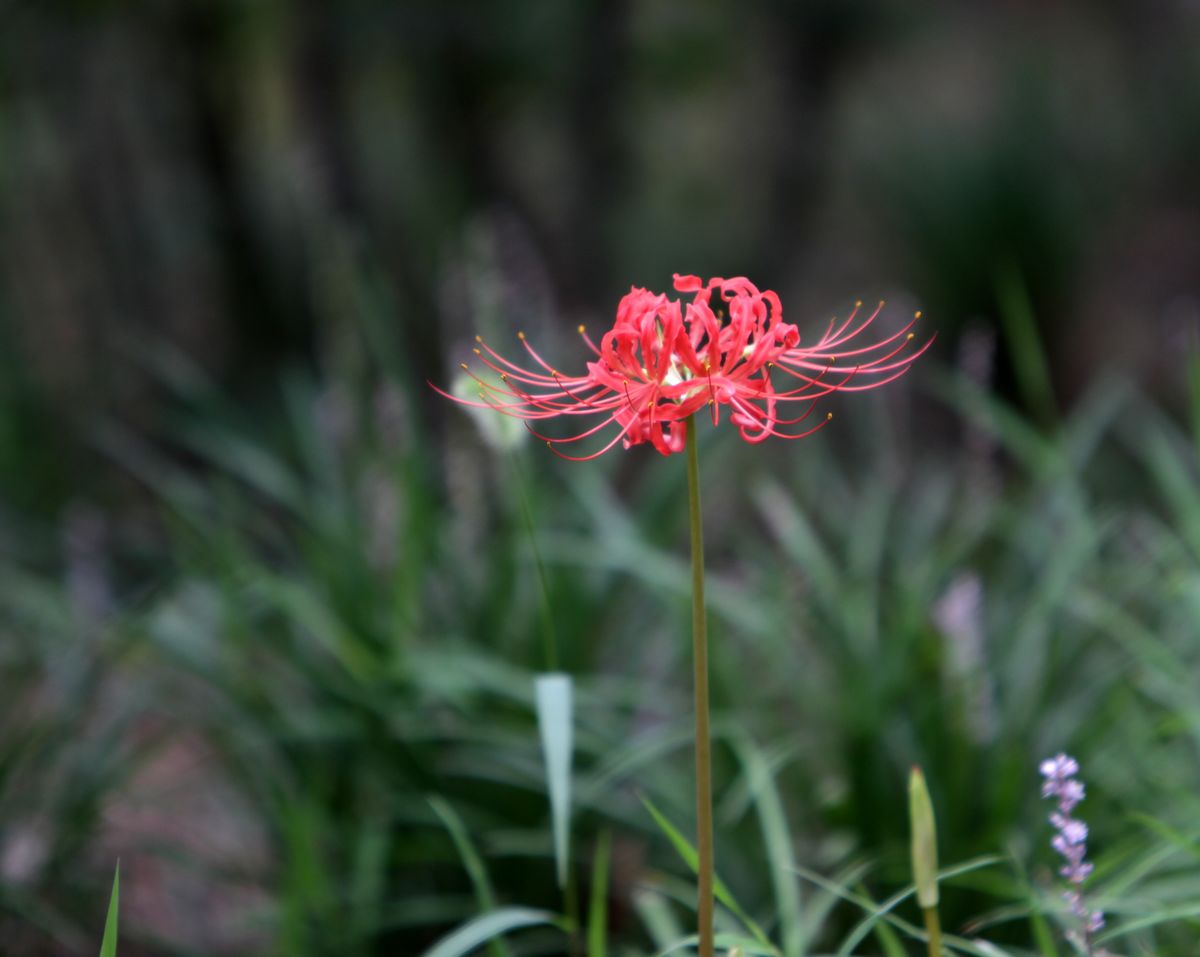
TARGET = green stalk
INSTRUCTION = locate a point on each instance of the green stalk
(704, 826)
(933, 928)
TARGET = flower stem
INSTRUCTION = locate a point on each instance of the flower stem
(933, 928)
(704, 826)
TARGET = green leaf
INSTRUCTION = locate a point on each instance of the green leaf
(730, 942)
(472, 862)
(656, 916)
(778, 842)
(877, 912)
(889, 940)
(108, 946)
(598, 910)
(554, 714)
(486, 927)
(685, 850)
(1024, 344)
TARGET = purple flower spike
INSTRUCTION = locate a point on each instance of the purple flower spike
(1070, 841)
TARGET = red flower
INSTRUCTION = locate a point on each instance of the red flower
(662, 361)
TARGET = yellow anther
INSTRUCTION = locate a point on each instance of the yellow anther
(479, 339)
(503, 376)
(463, 366)
(581, 329)
(910, 337)
(858, 304)
(917, 314)
(521, 336)
(477, 352)
(828, 416)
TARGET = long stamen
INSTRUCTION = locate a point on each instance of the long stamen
(572, 438)
(588, 339)
(571, 458)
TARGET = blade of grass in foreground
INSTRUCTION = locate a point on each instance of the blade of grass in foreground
(474, 866)
(554, 709)
(108, 945)
(778, 842)
(656, 916)
(685, 850)
(598, 911)
(487, 927)
(883, 912)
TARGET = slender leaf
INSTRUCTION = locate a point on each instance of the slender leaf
(685, 850)
(487, 927)
(473, 863)
(555, 722)
(598, 911)
(777, 840)
(108, 945)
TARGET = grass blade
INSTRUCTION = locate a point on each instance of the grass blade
(554, 715)
(474, 866)
(598, 911)
(487, 927)
(1024, 343)
(778, 842)
(108, 945)
(685, 850)
(656, 916)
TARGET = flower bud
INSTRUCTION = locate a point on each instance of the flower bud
(924, 840)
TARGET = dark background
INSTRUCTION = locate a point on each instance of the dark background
(198, 175)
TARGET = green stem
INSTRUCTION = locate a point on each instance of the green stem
(704, 826)
(933, 928)
(549, 639)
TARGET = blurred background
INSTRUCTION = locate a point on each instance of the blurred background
(263, 593)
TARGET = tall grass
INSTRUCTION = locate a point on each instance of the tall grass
(348, 616)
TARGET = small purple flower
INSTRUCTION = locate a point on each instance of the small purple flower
(1071, 840)
(1057, 769)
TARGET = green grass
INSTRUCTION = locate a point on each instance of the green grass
(354, 625)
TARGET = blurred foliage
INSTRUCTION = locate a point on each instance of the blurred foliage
(345, 643)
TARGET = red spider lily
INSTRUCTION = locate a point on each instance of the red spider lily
(662, 361)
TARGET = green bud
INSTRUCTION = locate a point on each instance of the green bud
(924, 840)
(500, 432)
